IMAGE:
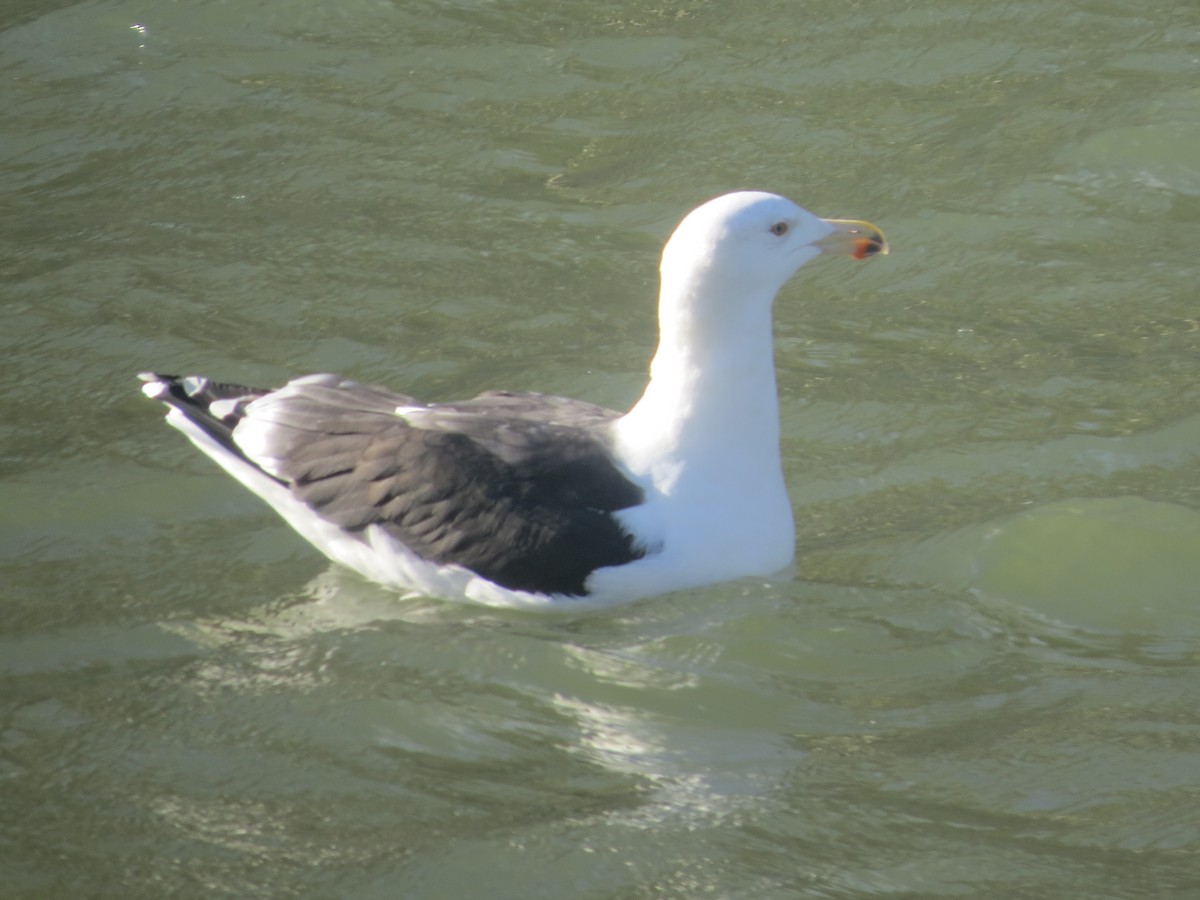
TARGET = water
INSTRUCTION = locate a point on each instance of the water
(980, 682)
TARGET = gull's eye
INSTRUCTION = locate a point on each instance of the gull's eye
(780, 229)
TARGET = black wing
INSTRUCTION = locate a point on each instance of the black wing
(519, 488)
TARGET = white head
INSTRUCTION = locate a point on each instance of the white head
(710, 406)
(747, 244)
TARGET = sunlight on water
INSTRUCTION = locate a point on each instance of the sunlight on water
(1115, 564)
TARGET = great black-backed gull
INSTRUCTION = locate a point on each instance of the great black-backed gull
(521, 499)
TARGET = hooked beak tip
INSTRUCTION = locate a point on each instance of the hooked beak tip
(854, 238)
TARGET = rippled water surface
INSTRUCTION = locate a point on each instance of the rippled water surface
(980, 681)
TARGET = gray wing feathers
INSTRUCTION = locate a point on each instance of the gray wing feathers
(516, 487)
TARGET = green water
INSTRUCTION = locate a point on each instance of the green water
(980, 681)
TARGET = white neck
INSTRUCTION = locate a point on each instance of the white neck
(710, 414)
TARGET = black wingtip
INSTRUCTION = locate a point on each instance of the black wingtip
(212, 407)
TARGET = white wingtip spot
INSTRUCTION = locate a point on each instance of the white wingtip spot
(223, 408)
(155, 390)
(194, 384)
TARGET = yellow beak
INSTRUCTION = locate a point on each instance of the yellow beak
(853, 238)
